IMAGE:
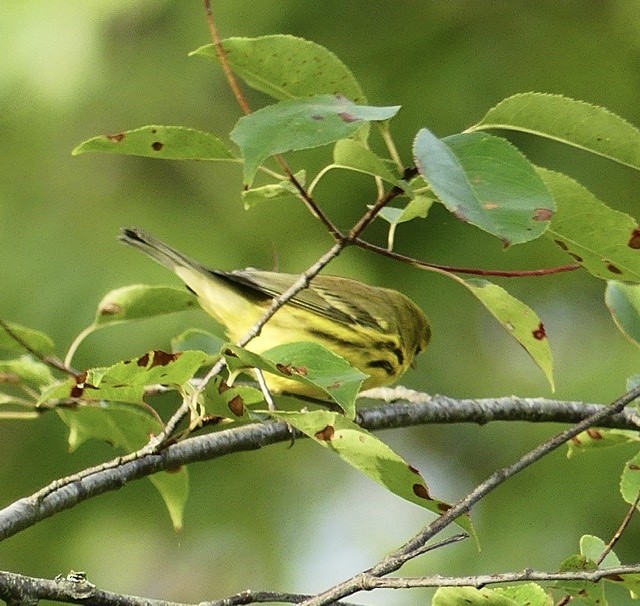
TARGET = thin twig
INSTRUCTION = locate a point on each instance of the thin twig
(526, 273)
(409, 550)
(224, 60)
(618, 533)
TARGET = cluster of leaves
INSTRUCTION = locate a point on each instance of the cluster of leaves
(480, 177)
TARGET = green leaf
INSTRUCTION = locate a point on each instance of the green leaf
(26, 370)
(470, 596)
(623, 301)
(589, 127)
(592, 548)
(418, 207)
(308, 363)
(630, 481)
(600, 438)
(121, 425)
(519, 320)
(173, 487)
(351, 154)
(605, 241)
(230, 403)
(286, 67)
(585, 592)
(274, 191)
(367, 454)
(36, 340)
(162, 142)
(126, 381)
(128, 428)
(141, 301)
(527, 594)
(300, 124)
(486, 181)
(200, 340)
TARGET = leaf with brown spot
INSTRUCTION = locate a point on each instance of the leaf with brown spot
(293, 125)
(166, 142)
(126, 381)
(539, 333)
(236, 406)
(521, 322)
(230, 403)
(323, 373)
(368, 454)
(325, 434)
(139, 301)
(634, 241)
(486, 181)
(595, 235)
(600, 438)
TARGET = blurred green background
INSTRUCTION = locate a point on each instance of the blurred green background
(297, 518)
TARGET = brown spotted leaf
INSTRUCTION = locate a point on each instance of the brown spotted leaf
(162, 142)
(225, 403)
(486, 181)
(141, 301)
(597, 437)
(518, 319)
(367, 454)
(287, 67)
(604, 241)
(300, 124)
(126, 381)
(306, 362)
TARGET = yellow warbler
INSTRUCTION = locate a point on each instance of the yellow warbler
(378, 330)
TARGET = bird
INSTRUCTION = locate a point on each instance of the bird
(378, 330)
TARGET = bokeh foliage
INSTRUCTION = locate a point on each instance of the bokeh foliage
(70, 73)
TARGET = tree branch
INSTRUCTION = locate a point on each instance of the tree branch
(413, 409)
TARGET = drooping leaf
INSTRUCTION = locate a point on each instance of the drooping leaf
(604, 241)
(141, 301)
(162, 142)
(486, 181)
(128, 428)
(589, 127)
(300, 124)
(308, 363)
(27, 370)
(519, 320)
(630, 481)
(367, 454)
(623, 301)
(173, 487)
(287, 67)
(470, 596)
(36, 340)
